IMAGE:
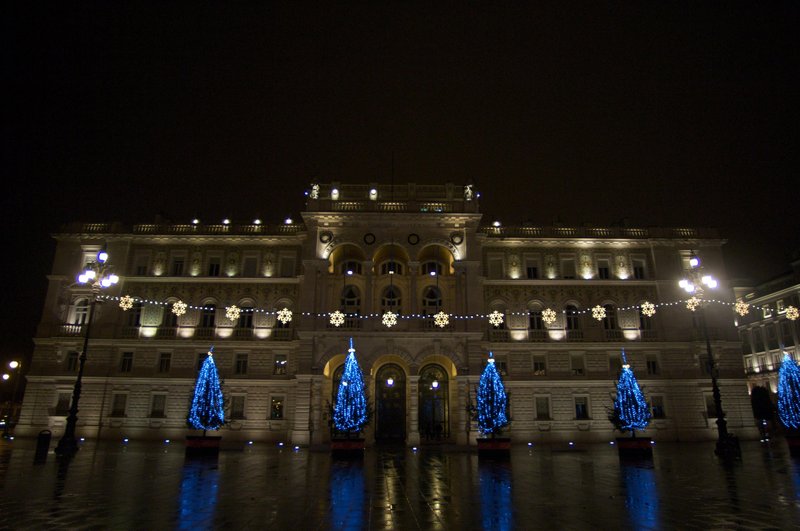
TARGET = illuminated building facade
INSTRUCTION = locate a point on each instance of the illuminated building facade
(413, 250)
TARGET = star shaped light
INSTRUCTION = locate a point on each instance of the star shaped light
(285, 315)
(441, 319)
(549, 316)
(179, 308)
(389, 319)
(126, 302)
(337, 318)
(742, 308)
(599, 313)
(496, 318)
(648, 309)
(233, 313)
(791, 313)
(693, 303)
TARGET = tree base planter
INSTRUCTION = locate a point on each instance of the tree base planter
(347, 447)
(498, 447)
(793, 441)
(638, 448)
(199, 446)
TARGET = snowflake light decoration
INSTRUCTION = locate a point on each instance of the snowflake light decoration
(599, 313)
(233, 313)
(495, 318)
(791, 313)
(441, 319)
(179, 308)
(692, 304)
(285, 315)
(337, 318)
(648, 309)
(126, 302)
(742, 308)
(389, 319)
(549, 316)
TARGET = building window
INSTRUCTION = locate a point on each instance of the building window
(604, 269)
(287, 266)
(177, 267)
(772, 337)
(245, 321)
(214, 266)
(391, 300)
(62, 405)
(496, 269)
(652, 365)
(164, 361)
(391, 267)
(208, 316)
(81, 311)
(279, 366)
(614, 364)
(276, 408)
(250, 266)
(577, 365)
(431, 267)
(158, 406)
(72, 361)
(581, 407)
(767, 311)
(535, 320)
(135, 315)
(568, 268)
(542, 408)
(350, 267)
(118, 404)
(610, 320)
(540, 365)
(237, 407)
(241, 364)
(171, 320)
(759, 340)
(657, 406)
(431, 300)
(573, 318)
(786, 334)
(127, 362)
(140, 265)
(639, 268)
(531, 269)
(351, 300)
(645, 321)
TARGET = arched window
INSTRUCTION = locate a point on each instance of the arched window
(170, 320)
(351, 300)
(645, 322)
(610, 320)
(391, 267)
(431, 300)
(391, 300)
(135, 314)
(535, 319)
(80, 311)
(573, 318)
(431, 267)
(245, 321)
(350, 267)
(208, 316)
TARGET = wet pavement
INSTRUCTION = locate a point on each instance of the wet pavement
(141, 485)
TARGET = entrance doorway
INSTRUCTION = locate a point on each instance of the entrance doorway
(390, 403)
(434, 411)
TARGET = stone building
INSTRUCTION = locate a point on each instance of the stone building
(414, 250)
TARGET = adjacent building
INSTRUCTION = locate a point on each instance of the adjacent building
(555, 305)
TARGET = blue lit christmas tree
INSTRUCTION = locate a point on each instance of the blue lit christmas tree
(350, 410)
(789, 393)
(207, 410)
(631, 411)
(492, 403)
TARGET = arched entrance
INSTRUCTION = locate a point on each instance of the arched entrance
(434, 411)
(390, 403)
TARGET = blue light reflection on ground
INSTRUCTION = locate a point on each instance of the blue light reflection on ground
(497, 510)
(197, 499)
(641, 495)
(347, 494)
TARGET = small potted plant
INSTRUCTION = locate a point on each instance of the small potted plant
(350, 411)
(491, 411)
(789, 402)
(631, 413)
(207, 410)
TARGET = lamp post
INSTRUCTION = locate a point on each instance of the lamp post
(98, 275)
(15, 366)
(696, 282)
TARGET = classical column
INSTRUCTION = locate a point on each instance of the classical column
(318, 429)
(301, 434)
(458, 411)
(413, 411)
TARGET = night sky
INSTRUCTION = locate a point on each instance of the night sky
(673, 115)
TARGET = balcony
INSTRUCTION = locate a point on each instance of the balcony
(498, 335)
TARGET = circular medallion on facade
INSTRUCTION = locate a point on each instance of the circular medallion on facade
(325, 237)
(413, 239)
(457, 238)
(369, 238)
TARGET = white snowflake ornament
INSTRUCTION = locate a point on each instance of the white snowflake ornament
(648, 309)
(389, 319)
(791, 313)
(495, 318)
(599, 313)
(549, 316)
(441, 319)
(337, 318)
(742, 308)
(232, 313)
(285, 315)
(126, 302)
(179, 308)
(692, 304)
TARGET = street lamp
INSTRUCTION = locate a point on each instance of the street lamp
(696, 282)
(15, 366)
(98, 275)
